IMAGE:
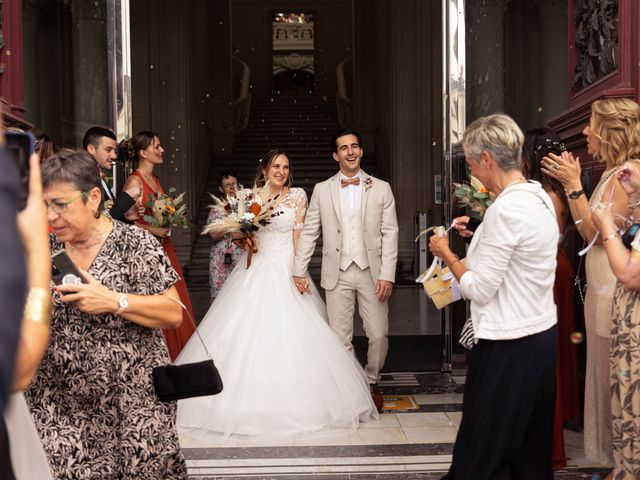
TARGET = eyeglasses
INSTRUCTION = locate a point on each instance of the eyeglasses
(61, 206)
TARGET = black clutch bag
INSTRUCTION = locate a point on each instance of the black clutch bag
(176, 382)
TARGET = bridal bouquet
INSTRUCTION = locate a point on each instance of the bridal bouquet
(246, 213)
(168, 210)
(474, 195)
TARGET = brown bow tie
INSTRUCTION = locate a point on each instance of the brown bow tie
(349, 181)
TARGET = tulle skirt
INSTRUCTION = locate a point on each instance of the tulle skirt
(284, 370)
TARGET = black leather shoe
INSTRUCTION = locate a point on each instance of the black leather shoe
(376, 396)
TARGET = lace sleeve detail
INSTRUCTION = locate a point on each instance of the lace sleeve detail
(298, 199)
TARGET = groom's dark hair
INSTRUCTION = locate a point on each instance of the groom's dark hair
(342, 133)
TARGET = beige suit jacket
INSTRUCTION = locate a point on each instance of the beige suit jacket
(379, 222)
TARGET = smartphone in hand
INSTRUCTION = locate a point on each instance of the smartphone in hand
(65, 271)
(21, 145)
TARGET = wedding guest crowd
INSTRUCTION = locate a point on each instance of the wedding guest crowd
(86, 370)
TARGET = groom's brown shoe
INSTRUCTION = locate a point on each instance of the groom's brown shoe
(376, 396)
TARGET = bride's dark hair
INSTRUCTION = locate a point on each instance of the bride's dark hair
(265, 164)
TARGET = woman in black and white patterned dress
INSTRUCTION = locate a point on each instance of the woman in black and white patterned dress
(92, 398)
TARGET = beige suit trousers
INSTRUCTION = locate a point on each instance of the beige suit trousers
(357, 284)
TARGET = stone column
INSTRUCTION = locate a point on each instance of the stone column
(485, 57)
(409, 99)
(222, 86)
(89, 65)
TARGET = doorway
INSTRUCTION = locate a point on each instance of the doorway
(293, 52)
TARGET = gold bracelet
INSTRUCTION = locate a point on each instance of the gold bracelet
(38, 306)
(609, 237)
(456, 260)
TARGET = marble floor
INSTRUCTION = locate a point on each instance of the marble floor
(402, 445)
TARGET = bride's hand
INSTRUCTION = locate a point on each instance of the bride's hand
(302, 284)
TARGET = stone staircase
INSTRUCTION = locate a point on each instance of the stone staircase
(302, 125)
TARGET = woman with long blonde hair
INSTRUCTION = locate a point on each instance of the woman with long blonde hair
(613, 137)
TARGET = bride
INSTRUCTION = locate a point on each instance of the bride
(283, 369)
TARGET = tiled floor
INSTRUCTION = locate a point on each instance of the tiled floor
(408, 445)
(412, 445)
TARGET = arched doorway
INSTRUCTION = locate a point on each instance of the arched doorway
(293, 52)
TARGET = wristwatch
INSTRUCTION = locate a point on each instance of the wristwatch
(123, 303)
(575, 194)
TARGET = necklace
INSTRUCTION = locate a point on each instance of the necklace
(633, 205)
(513, 182)
(517, 180)
(91, 244)
(151, 181)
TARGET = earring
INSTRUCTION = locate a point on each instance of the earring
(96, 214)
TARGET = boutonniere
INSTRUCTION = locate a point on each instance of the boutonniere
(367, 183)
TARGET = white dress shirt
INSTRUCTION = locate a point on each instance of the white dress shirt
(512, 263)
(352, 194)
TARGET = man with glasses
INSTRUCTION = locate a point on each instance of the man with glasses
(102, 145)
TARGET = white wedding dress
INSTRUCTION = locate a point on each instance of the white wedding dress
(283, 369)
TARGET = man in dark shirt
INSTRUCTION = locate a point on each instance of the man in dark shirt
(101, 143)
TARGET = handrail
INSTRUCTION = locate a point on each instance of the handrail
(242, 105)
(343, 102)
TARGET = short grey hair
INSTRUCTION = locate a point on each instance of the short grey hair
(499, 135)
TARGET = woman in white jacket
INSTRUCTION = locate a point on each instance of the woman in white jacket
(508, 408)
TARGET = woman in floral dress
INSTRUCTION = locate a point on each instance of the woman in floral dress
(224, 253)
(92, 397)
(625, 334)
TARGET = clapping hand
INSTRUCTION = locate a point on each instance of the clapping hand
(564, 168)
(629, 178)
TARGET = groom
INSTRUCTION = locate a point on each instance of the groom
(357, 216)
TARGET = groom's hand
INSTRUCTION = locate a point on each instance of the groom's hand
(302, 284)
(383, 290)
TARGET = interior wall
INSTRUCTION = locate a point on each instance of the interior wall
(251, 38)
(408, 100)
(536, 82)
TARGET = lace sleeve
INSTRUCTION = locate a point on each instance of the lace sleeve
(299, 201)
